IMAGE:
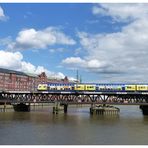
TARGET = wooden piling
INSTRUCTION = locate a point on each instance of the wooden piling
(5, 107)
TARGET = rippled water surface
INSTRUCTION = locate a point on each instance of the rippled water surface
(77, 127)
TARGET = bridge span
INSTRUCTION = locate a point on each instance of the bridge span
(77, 97)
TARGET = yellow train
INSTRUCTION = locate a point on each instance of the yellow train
(91, 87)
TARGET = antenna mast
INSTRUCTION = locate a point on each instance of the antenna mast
(77, 76)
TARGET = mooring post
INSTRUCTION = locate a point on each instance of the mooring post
(53, 110)
(56, 108)
(4, 106)
(34, 106)
(91, 109)
(65, 108)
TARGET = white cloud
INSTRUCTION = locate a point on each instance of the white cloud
(40, 39)
(77, 62)
(124, 51)
(74, 60)
(15, 61)
(57, 49)
(10, 60)
(2, 15)
(117, 56)
(120, 11)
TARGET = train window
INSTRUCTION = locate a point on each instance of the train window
(128, 87)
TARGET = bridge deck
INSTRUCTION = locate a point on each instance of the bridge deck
(80, 92)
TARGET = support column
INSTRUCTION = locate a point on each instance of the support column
(65, 108)
(56, 108)
(5, 107)
(92, 109)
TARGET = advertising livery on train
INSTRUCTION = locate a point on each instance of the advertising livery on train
(92, 87)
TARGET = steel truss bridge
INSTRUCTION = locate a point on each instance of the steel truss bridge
(118, 98)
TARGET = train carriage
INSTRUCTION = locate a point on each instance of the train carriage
(60, 86)
(79, 87)
(109, 87)
(68, 86)
(42, 87)
(142, 87)
(91, 87)
(130, 87)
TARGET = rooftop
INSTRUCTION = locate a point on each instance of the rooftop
(3, 70)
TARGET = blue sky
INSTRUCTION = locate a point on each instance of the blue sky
(105, 42)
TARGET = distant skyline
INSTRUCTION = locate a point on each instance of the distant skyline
(105, 42)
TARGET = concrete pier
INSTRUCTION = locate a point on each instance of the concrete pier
(104, 110)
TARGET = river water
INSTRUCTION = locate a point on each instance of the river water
(77, 127)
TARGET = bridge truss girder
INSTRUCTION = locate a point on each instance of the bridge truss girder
(75, 98)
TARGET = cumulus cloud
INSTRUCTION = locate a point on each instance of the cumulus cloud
(74, 61)
(77, 62)
(40, 39)
(15, 61)
(119, 56)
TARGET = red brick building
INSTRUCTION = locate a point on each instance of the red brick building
(20, 81)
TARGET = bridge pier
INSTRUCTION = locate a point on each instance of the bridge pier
(60, 107)
(144, 109)
(104, 110)
(21, 107)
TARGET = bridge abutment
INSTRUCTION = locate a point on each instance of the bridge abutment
(21, 107)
